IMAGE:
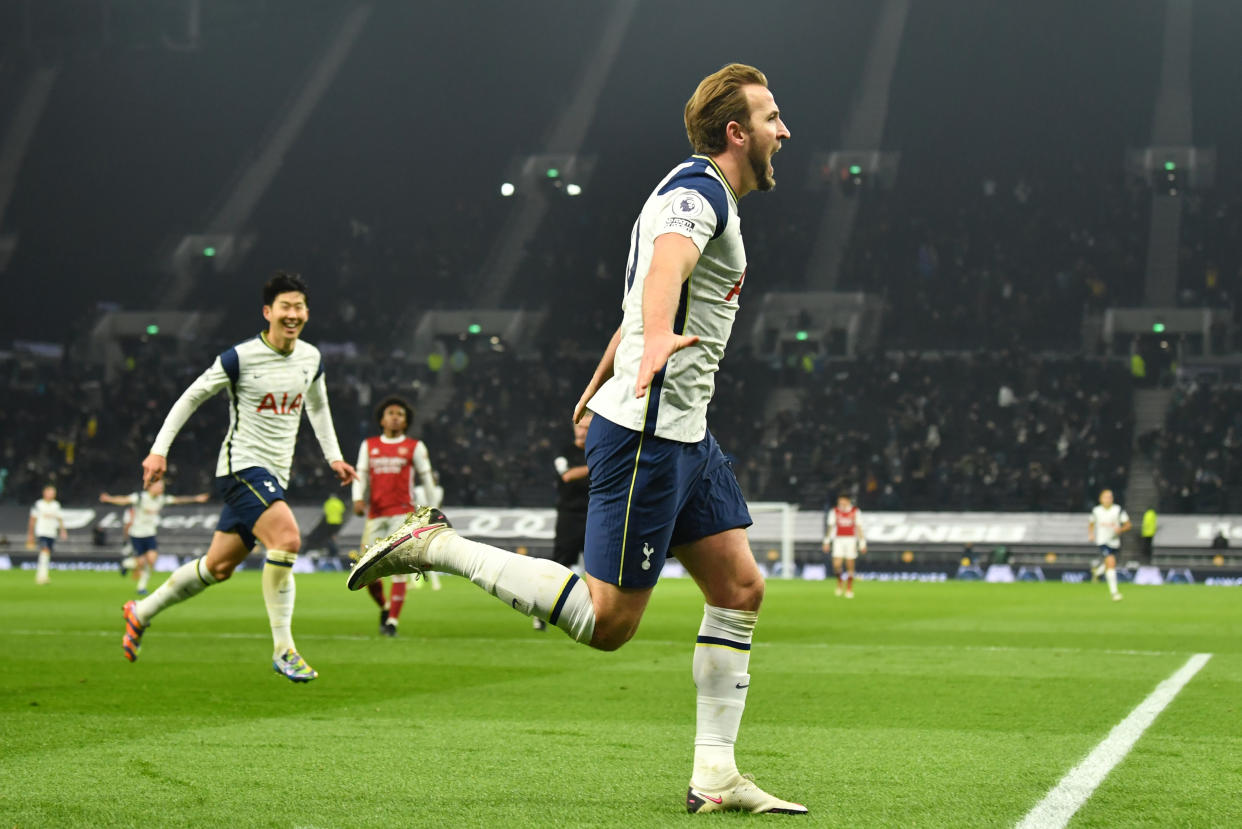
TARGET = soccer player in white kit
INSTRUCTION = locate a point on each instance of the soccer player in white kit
(660, 484)
(147, 505)
(270, 379)
(46, 522)
(845, 540)
(1108, 521)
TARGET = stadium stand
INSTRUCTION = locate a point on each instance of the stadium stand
(1199, 451)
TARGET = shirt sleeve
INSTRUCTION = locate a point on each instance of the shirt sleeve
(422, 462)
(211, 381)
(1125, 517)
(320, 417)
(358, 489)
(422, 466)
(561, 464)
(693, 208)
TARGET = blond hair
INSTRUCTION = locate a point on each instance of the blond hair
(718, 100)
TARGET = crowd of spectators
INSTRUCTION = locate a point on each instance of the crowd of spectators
(1001, 262)
(1198, 451)
(984, 431)
(990, 430)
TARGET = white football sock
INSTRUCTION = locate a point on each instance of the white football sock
(721, 658)
(434, 578)
(533, 586)
(1110, 576)
(279, 592)
(186, 581)
(45, 559)
(144, 577)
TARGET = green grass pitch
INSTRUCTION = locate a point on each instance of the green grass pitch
(912, 705)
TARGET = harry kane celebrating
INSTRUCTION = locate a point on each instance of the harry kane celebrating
(660, 484)
(269, 379)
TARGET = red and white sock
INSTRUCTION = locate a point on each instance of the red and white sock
(396, 600)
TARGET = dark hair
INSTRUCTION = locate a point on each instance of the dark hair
(844, 495)
(284, 282)
(394, 401)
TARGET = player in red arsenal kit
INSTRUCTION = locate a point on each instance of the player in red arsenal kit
(394, 473)
(845, 539)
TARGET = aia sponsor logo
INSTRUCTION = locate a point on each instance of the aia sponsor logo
(285, 405)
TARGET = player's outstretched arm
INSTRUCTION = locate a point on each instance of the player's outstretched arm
(672, 260)
(215, 378)
(320, 416)
(200, 498)
(117, 500)
(602, 372)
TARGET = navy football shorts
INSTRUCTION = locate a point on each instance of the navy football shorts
(143, 545)
(649, 494)
(246, 494)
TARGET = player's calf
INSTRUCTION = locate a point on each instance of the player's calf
(534, 587)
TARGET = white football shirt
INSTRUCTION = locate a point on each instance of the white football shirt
(267, 392)
(1107, 522)
(146, 513)
(694, 200)
(47, 518)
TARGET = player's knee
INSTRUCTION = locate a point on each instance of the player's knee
(611, 634)
(289, 541)
(744, 593)
(220, 570)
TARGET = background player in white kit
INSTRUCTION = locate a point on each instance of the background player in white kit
(660, 484)
(270, 379)
(394, 474)
(845, 540)
(1108, 521)
(47, 522)
(142, 528)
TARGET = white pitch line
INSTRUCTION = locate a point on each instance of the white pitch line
(1067, 797)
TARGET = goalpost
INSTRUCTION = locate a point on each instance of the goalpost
(783, 515)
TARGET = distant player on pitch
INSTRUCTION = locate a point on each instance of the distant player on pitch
(660, 484)
(270, 379)
(1108, 521)
(845, 540)
(393, 469)
(47, 521)
(141, 529)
